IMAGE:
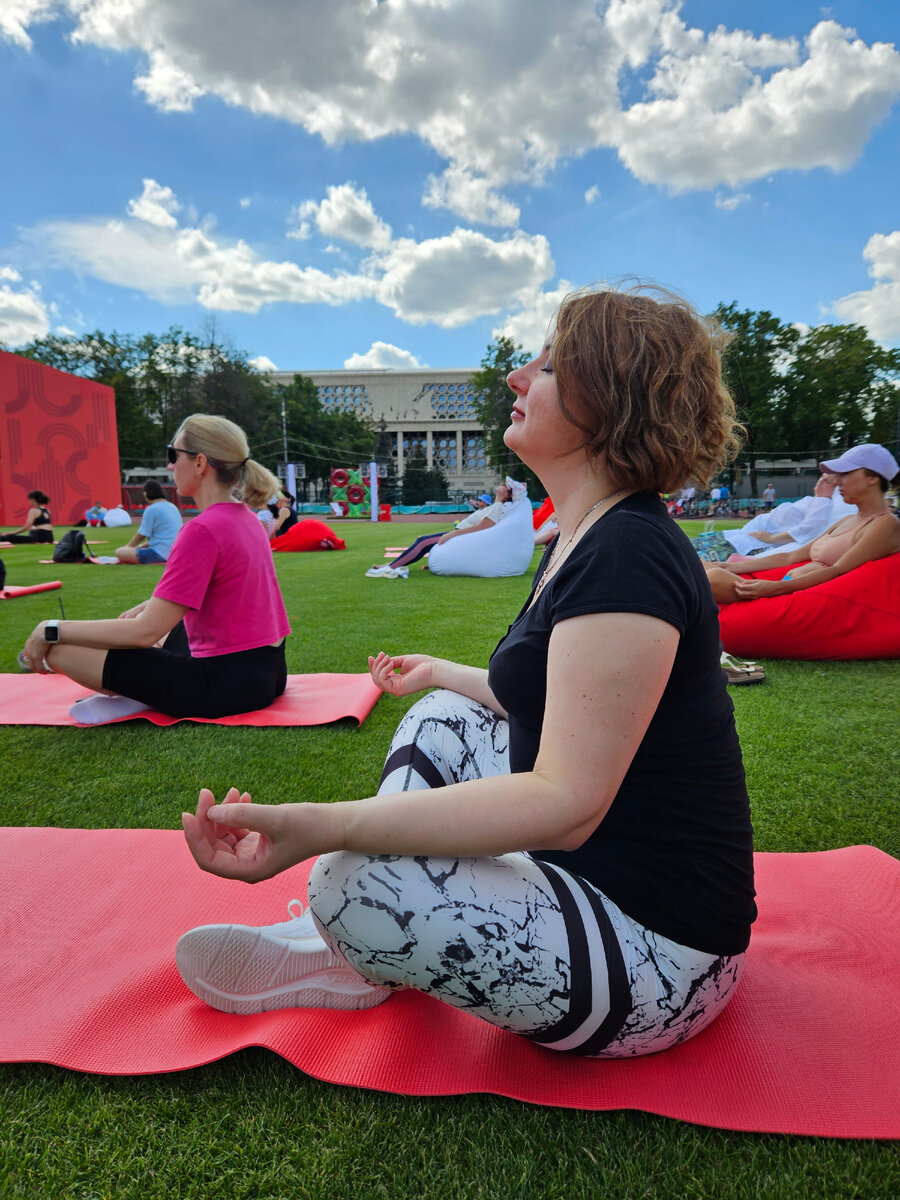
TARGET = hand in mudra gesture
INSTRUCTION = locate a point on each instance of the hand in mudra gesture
(402, 674)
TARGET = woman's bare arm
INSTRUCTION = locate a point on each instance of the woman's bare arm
(595, 718)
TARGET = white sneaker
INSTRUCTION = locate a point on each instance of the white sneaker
(377, 572)
(239, 969)
(395, 573)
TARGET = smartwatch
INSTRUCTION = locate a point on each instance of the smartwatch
(51, 631)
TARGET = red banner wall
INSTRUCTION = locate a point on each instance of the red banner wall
(57, 434)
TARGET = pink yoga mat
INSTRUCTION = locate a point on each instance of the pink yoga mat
(307, 700)
(10, 592)
(809, 1045)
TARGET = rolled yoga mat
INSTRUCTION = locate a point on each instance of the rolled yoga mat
(809, 1045)
(11, 593)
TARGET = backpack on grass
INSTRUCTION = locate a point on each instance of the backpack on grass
(72, 548)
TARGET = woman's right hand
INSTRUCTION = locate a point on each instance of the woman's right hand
(403, 674)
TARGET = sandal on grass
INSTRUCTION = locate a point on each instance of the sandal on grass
(741, 672)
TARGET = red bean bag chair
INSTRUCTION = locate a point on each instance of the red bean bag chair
(856, 615)
(309, 535)
(542, 513)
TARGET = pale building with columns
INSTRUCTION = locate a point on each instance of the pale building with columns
(433, 410)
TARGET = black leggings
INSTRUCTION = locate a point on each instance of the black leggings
(32, 537)
(173, 682)
(417, 550)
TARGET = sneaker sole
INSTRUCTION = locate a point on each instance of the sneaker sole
(237, 969)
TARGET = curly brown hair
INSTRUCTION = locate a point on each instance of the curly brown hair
(639, 373)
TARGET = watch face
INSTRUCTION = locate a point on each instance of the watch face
(51, 633)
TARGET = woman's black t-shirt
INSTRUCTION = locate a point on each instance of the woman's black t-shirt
(675, 849)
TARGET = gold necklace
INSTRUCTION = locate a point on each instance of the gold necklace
(557, 553)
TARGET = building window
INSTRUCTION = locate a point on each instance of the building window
(449, 401)
(414, 443)
(345, 397)
(444, 452)
(473, 452)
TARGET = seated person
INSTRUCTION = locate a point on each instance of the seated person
(584, 876)
(790, 526)
(160, 525)
(284, 514)
(95, 514)
(864, 475)
(228, 657)
(481, 519)
(38, 527)
(547, 532)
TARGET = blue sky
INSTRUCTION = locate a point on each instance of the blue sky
(394, 183)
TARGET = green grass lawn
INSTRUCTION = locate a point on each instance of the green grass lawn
(822, 761)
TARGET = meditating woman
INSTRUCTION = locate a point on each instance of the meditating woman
(38, 527)
(228, 656)
(475, 522)
(864, 475)
(561, 844)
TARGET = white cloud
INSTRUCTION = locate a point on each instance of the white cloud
(469, 196)
(592, 195)
(530, 327)
(244, 202)
(180, 265)
(17, 15)
(65, 331)
(452, 280)
(730, 203)
(345, 213)
(263, 364)
(878, 309)
(447, 281)
(23, 314)
(382, 356)
(729, 108)
(156, 205)
(499, 96)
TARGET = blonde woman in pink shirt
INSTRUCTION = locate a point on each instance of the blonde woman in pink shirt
(210, 640)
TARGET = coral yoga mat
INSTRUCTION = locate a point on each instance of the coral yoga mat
(307, 700)
(809, 1045)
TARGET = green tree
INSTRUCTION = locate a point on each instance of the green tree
(415, 480)
(754, 364)
(493, 402)
(840, 389)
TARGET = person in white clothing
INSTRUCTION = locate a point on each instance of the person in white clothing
(791, 525)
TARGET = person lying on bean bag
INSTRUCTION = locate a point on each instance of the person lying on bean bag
(503, 549)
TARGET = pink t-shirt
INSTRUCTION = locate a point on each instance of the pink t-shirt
(221, 570)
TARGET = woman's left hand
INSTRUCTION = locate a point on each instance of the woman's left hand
(260, 841)
(35, 649)
(753, 589)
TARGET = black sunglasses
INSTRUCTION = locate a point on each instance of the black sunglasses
(172, 453)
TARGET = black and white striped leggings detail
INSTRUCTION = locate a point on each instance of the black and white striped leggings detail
(520, 943)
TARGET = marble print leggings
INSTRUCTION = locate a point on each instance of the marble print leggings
(520, 943)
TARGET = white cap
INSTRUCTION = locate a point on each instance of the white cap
(871, 456)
